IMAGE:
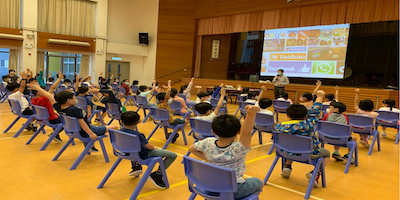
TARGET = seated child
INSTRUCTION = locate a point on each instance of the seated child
(83, 91)
(203, 97)
(50, 81)
(205, 109)
(109, 97)
(307, 99)
(175, 97)
(103, 82)
(264, 103)
(330, 97)
(245, 91)
(116, 81)
(40, 79)
(285, 97)
(6, 80)
(302, 124)
(364, 107)
(185, 89)
(130, 119)
(251, 97)
(388, 105)
(145, 92)
(231, 148)
(336, 114)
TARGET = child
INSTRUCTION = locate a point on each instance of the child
(103, 82)
(130, 119)
(125, 85)
(302, 124)
(307, 99)
(68, 85)
(116, 81)
(17, 94)
(175, 97)
(83, 91)
(330, 97)
(136, 82)
(230, 151)
(145, 92)
(388, 105)
(205, 109)
(336, 110)
(245, 92)
(50, 81)
(251, 97)
(365, 108)
(264, 103)
(40, 79)
(185, 89)
(6, 80)
(203, 97)
(285, 97)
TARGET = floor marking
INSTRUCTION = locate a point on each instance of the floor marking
(261, 145)
(170, 144)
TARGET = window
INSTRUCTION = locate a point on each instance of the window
(65, 62)
(4, 56)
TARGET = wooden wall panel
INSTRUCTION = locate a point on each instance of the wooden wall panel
(175, 39)
(346, 94)
(215, 69)
(9, 42)
(43, 44)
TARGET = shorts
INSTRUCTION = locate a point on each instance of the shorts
(27, 111)
(322, 153)
(98, 130)
(178, 121)
(55, 121)
(96, 107)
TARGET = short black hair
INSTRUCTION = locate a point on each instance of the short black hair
(32, 79)
(285, 95)
(63, 96)
(161, 96)
(281, 70)
(83, 89)
(130, 118)
(330, 97)
(296, 111)
(226, 126)
(183, 88)
(202, 94)
(308, 96)
(245, 90)
(251, 95)
(12, 86)
(11, 70)
(174, 92)
(142, 88)
(135, 82)
(339, 105)
(390, 102)
(34, 92)
(265, 103)
(51, 79)
(125, 80)
(203, 107)
(67, 81)
(366, 105)
(4, 77)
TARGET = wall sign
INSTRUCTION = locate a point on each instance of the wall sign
(215, 49)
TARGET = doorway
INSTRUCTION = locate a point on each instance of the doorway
(65, 62)
(120, 70)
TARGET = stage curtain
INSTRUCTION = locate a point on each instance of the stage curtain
(270, 19)
(13, 60)
(68, 17)
(197, 66)
(40, 61)
(85, 65)
(10, 13)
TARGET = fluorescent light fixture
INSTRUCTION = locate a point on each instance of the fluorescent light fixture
(116, 58)
(11, 36)
(57, 41)
(77, 43)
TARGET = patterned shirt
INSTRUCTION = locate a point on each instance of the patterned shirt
(303, 127)
(232, 156)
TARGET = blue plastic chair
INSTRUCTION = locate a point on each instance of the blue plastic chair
(364, 125)
(388, 119)
(115, 87)
(16, 110)
(153, 94)
(142, 103)
(280, 107)
(189, 104)
(113, 112)
(211, 182)
(202, 128)
(61, 88)
(302, 147)
(134, 88)
(264, 123)
(127, 146)
(72, 129)
(48, 85)
(239, 99)
(176, 107)
(161, 119)
(323, 109)
(242, 106)
(42, 116)
(338, 135)
(224, 107)
(82, 104)
(127, 97)
(3, 93)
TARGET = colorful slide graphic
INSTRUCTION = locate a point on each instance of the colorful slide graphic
(312, 52)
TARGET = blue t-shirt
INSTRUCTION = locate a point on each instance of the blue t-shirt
(144, 152)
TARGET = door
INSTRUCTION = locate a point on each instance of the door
(120, 70)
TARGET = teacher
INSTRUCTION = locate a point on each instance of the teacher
(280, 81)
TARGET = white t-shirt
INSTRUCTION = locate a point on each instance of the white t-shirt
(327, 103)
(209, 117)
(232, 156)
(282, 99)
(18, 96)
(266, 111)
(388, 109)
(198, 100)
(251, 101)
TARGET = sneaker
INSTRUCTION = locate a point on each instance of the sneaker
(175, 137)
(346, 157)
(337, 156)
(136, 170)
(34, 128)
(57, 138)
(384, 134)
(309, 175)
(286, 172)
(157, 179)
(93, 149)
(29, 127)
(364, 143)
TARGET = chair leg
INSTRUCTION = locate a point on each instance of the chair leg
(170, 138)
(260, 137)
(142, 181)
(271, 169)
(103, 148)
(192, 196)
(346, 169)
(52, 136)
(183, 135)
(24, 126)
(63, 149)
(164, 173)
(35, 134)
(397, 138)
(112, 119)
(147, 116)
(190, 133)
(154, 130)
(236, 112)
(82, 155)
(322, 170)
(109, 173)
(376, 136)
(11, 125)
(271, 149)
(356, 154)
(313, 177)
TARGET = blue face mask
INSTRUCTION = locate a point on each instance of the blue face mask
(209, 99)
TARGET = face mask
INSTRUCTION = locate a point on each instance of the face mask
(126, 83)
(279, 73)
(76, 101)
(328, 110)
(209, 99)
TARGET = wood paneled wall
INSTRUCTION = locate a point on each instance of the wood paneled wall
(346, 94)
(43, 44)
(9, 42)
(175, 38)
(218, 68)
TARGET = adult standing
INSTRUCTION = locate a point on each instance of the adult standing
(280, 81)
(12, 76)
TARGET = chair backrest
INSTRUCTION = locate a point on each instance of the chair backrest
(324, 107)
(387, 118)
(141, 100)
(264, 119)
(334, 132)
(113, 110)
(361, 124)
(214, 101)
(175, 106)
(40, 113)
(125, 145)
(71, 126)
(134, 88)
(183, 96)
(121, 90)
(48, 85)
(202, 127)
(281, 106)
(242, 98)
(62, 88)
(15, 107)
(202, 179)
(114, 86)
(295, 144)
(160, 116)
(243, 104)
(82, 103)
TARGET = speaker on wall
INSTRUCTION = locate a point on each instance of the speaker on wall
(144, 38)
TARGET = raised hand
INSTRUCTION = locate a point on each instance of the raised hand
(337, 87)
(320, 93)
(223, 91)
(250, 109)
(264, 87)
(358, 91)
(24, 74)
(318, 83)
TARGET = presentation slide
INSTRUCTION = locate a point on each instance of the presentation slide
(309, 52)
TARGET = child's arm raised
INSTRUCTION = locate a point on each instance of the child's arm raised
(153, 88)
(318, 83)
(24, 76)
(220, 102)
(55, 84)
(263, 88)
(337, 93)
(77, 82)
(357, 98)
(48, 95)
(248, 125)
(167, 95)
